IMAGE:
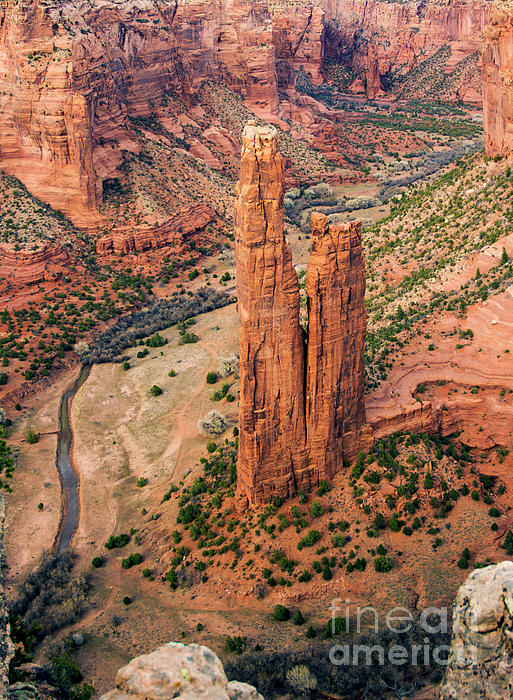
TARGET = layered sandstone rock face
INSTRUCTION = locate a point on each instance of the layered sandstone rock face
(481, 659)
(380, 38)
(74, 73)
(28, 267)
(498, 81)
(272, 455)
(173, 231)
(301, 410)
(178, 671)
(335, 285)
(45, 126)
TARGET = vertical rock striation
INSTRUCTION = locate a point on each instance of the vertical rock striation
(497, 81)
(272, 413)
(335, 284)
(301, 410)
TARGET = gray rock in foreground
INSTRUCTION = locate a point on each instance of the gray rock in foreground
(481, 659)
(177, 671)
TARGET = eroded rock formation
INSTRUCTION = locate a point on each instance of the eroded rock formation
(497, 86)
(272, 456)
(28, 267)
(173, 231)
(335, 285)
(75, 73)
(178, 671)
(481, 659)
(301, 410)
(381, 39)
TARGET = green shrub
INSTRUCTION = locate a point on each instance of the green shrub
(309, 540)
(298, 618)
(235, 645)
(383, 564)
(281, 613)
(155, 390)
(335, 627)
(211, 377)
(32, 437)
(131, 560)
(115, 541)
(97, 562)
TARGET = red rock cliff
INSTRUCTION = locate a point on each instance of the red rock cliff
(335, 284)
(272, 454)
(498, 81)
(380, 38)
(285, 445)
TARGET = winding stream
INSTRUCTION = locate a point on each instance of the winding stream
(69, 480)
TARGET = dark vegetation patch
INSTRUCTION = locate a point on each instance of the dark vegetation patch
(160, 314)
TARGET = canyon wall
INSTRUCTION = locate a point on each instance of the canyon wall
(301, 408)
(498, 81)
(76, 73)
(382, 40)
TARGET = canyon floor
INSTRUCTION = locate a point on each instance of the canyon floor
(432, 318)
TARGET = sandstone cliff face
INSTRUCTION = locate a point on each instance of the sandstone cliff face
(481, 659)
(178, 671)
(272, 413)
(335, 285)
(380, 38)
(174, 231)
(44, 123)
(28, 267)
(75, 72)
(497, 81)
(295, 427)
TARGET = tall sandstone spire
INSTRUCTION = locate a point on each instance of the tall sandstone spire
(272, 412)
(301, 405)
(335, 285)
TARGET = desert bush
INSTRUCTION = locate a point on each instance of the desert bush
(301, 679)
(32, 437)
(228, 365)
(213, 424)
(281, 613)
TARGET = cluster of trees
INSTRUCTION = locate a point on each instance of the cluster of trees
(160, 314)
